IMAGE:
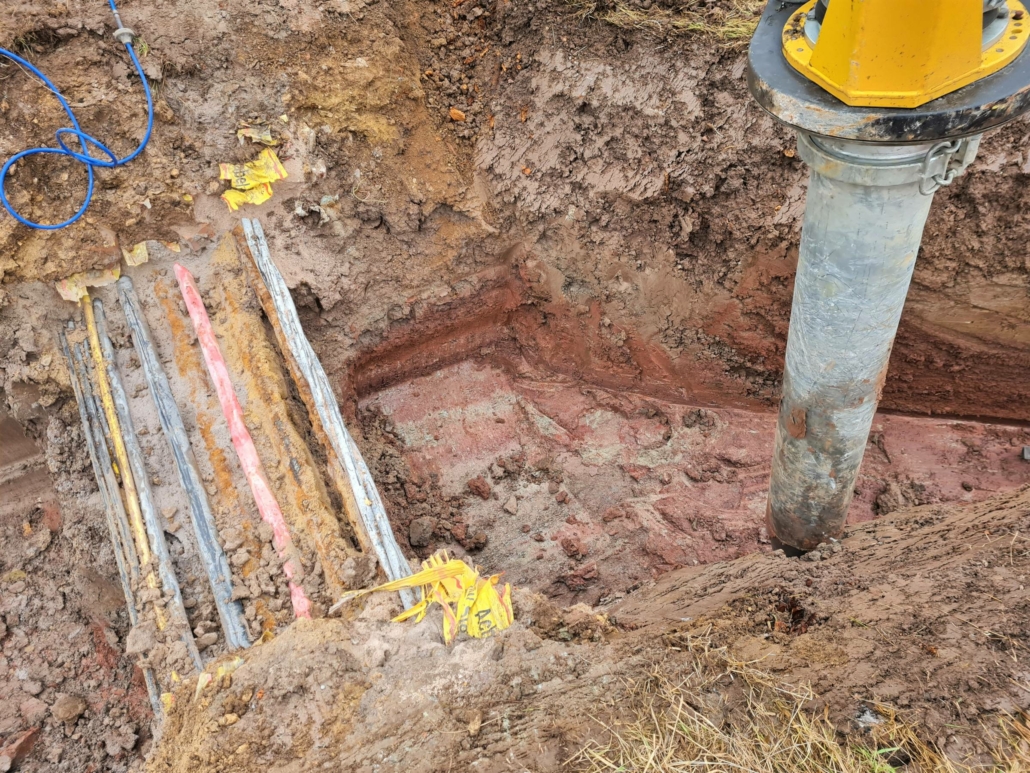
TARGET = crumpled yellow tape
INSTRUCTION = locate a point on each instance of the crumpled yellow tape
(236, 199)
(473, 605)
(266, 168)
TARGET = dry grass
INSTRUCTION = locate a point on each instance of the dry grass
(719, 715)
(733, 26)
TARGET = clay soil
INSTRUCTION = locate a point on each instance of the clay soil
(547, 262)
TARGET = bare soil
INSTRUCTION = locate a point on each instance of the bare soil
(940, 634)
(556, 328)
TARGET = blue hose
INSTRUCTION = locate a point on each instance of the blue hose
(85, 140)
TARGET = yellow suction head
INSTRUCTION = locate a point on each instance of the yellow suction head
(902, 53)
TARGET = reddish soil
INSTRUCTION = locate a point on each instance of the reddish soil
(583, 492)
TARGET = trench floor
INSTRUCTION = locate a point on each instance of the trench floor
(591, 492)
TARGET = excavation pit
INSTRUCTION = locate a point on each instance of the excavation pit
(602, 253)
(584, 484)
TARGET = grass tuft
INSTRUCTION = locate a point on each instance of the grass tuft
(732, 26)
(721, 715)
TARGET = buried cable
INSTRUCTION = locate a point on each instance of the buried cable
(325, 411)
(103, 435)
(108, 487)
(265, 500)
(169, 581)
(98, 455)
(230, 612)
(139, 531)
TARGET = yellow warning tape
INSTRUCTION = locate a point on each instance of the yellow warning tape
(253, 180)
(256, 195)
(471, 604)
(266, 168)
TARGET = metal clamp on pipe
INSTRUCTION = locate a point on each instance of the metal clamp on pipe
(881, 133)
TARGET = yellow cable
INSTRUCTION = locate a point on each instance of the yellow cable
(131, 494)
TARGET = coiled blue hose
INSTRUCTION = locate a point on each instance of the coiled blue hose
(85, 140)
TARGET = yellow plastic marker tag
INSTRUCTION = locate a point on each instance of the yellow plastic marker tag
(137, 256)
(266, 168)
(74, 287)
(258, 195)
(471, 604)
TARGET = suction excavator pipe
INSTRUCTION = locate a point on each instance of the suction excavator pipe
(889, 99)
(863, 223)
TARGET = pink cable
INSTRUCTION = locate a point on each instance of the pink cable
(241, 439)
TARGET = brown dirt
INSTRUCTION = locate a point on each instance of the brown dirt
(600, 255)
(942, 635)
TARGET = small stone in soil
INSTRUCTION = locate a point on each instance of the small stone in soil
(142, 638)
(33, 710)
(32, 687)
(206, 640)
(573, 547)
(479, 487)
(115, 742)
(420, 533)
(68, 708)
(511, 506)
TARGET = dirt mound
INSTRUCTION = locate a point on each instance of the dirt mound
(924, 611)
(367, 694)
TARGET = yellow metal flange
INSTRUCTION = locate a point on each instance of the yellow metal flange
(901, 53)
